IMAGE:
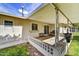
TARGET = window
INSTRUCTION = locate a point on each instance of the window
(46, 29)
(34, 26)
(8, 23)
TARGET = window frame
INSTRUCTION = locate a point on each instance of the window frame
(34, 27)
(9, 23)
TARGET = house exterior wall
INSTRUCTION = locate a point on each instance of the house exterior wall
(17, 22)
(26, 25)
(40, 27)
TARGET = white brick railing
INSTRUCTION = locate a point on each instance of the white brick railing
(46, 49)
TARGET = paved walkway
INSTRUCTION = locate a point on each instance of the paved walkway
(11, 43)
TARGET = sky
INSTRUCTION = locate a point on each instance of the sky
(16, 8)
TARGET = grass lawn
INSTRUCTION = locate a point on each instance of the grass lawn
(74, 47)
(18, 50)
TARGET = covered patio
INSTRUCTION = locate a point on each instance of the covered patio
(54, 41)
(59, 40)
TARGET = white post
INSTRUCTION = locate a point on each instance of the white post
(57, 26)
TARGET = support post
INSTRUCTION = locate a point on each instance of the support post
(62, 13)
(67, 26)
(57, 27)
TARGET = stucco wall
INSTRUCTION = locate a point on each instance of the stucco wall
(40, 27)
(26, 25)
(17, 22)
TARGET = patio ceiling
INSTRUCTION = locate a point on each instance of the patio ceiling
(71, 10)
(47, 14)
